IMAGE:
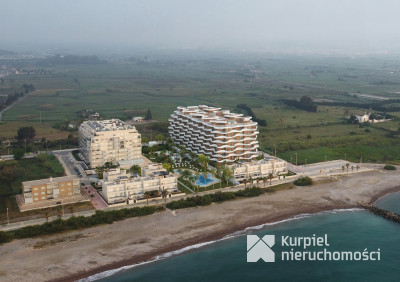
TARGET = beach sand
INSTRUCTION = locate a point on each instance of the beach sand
(78, 254)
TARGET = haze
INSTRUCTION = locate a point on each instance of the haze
(257, 25)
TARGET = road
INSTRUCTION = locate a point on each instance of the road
(2, 111)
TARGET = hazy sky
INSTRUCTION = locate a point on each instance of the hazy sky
(235, 24)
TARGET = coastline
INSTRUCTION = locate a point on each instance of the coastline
(212, 237)
(216, 236)
(80, 254)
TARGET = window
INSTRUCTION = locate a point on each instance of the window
(35, 189)
(35, 194)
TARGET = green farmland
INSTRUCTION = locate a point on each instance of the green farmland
(122, 88)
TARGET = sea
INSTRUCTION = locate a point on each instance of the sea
(353, 230)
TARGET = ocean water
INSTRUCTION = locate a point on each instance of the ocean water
(225, 259)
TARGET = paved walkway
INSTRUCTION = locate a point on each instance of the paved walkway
(97, 201)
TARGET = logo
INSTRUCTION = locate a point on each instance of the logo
(260, 248)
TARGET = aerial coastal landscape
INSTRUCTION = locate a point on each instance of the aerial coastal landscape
(162, 155)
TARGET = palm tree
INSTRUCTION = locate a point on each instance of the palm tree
(213, 173)
(47, 215)
(352, 168)
(258, 181)
(251, 181)
(357, 167)
(228, 174)
(264, 180)
(343, 168)
(347, 166)
(186, 174)
(59, 212)
(71, 210)
(245, 182)
(147, 196)
(197, 175)
(164, 194)
(219, 169)
(270, 176)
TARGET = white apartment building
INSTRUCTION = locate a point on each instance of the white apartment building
(219, 134)
(48, 189)
(109, 141)
(119, 186)
(260, 168)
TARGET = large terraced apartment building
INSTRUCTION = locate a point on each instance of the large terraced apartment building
(109, 141)
(219, 134)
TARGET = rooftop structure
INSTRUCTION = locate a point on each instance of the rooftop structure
(219, 134)
(109, 141)
(261, 168)
(119, 186)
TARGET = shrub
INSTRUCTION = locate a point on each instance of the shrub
(249, 192)
(389, 167)
(76, 222)
(5, 237)
(303, 181)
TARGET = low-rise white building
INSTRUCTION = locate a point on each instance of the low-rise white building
(260, 168)
(363, 118)
(119, 186)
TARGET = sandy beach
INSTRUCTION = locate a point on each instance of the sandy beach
(78, 254)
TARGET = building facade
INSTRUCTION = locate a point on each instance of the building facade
(119, 186)
(260, 168)
(109, 141)
(50, 189)
(219, 134)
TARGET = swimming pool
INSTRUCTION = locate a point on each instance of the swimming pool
(201, 181)
(206, 181)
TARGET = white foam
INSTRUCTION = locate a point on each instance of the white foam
(247, 230)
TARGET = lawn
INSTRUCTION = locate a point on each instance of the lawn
(12, 173)
(122, 88)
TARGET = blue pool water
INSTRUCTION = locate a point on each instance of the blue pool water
(203, 181)
(206, 181)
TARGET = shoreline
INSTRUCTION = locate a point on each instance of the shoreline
(190, 242)
(83, 253)
(216, 236)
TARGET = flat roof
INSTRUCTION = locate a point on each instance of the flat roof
(50, 179)
(108, 125)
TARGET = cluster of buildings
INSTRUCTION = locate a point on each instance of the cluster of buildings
(223, 136)
(119, 186)
(219, 134)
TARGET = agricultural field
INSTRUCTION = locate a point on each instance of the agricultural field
(122, 88)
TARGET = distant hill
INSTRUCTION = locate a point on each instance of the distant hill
(71, 60)
(6, 52)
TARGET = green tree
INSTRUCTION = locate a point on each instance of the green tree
(18, 153)
(26, 133)
(186, 174)
(159, 138)
(167, 166)
(148, 116)
(145, 140)
(135, 169)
